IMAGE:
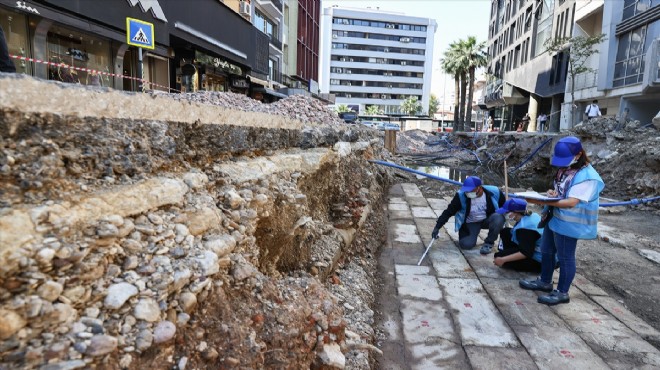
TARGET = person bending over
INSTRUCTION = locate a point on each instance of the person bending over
(473, 208)
(521, 244)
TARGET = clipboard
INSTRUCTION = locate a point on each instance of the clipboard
(533, 195)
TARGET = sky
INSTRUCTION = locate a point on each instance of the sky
(457, 19)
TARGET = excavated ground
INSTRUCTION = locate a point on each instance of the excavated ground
(166, 233)
(149, 232)
(623, 262)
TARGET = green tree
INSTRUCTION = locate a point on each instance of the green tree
(472, 56)
(411, 106)
(579, 49)
(342, 108)
(373, 110)
(450, 66)
(434, 103)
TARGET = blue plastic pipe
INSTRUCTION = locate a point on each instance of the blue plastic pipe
(630, 202)
(530, 156)
(394, 165)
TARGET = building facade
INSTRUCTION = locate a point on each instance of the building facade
(372, 57)
(81, 41)
(626, 70)
(523, 76)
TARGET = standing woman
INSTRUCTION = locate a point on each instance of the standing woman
(521, 245)
(573, 217)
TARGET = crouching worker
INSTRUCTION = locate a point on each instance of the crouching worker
(520, 245)
(473, 208)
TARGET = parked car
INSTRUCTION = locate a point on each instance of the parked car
(388, 126)
(348, 117)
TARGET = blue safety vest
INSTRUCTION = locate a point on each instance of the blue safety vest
(459, 218)
(529, 223)
(581, 221)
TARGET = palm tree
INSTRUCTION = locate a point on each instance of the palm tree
(373, 110)
(476, 58)
(342, 108)
(450, 67)
(462, 61)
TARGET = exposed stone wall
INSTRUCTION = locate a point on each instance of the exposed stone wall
(152, 242)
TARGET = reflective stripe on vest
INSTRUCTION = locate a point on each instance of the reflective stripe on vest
(529, 223)
(459, 217)
(581, 221)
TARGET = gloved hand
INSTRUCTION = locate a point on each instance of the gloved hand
(435, 232)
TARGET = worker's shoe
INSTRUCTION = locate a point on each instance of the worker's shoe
(486, 248)
(535, 285)
(554, 298)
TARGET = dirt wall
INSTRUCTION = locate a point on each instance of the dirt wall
(148, 242)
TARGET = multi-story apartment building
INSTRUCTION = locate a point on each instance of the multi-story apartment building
(626, 75)
(523, 76)
(301, 40)
(374, 57)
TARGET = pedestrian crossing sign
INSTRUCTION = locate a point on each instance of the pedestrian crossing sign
(140, 33)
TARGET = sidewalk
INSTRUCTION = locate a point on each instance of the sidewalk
(459, 311)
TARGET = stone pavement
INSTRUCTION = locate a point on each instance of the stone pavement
(460, 311)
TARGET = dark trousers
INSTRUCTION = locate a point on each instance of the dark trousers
(510, 247)
(6, 64)
(468, 233)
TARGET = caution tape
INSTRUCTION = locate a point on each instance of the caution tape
(88, 70)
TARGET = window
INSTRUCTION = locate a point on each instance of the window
(265, 25)
(634, 7)
(629, 66)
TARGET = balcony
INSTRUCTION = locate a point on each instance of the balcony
(583, 81)
(275, 42)
(272, 7)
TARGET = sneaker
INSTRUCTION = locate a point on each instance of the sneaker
(554, 298)
(486, 248)
(535, 285)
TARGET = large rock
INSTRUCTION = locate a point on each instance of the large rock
(147, 309)
(203, 219)
(208, 263)
(222, 245)
(101, 345)
(118, 294)
(164, 332)
(331, 355)
(50, 290)
(10, 323)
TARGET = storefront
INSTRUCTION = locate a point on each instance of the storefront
(209, 73)
(78, 41)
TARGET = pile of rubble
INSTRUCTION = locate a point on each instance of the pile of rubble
(300, 107)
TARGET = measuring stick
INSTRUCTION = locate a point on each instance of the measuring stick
(426, 251)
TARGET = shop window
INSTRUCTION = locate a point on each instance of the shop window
(71, 51)
(14, 26)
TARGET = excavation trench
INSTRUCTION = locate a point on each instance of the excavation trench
(238, 240)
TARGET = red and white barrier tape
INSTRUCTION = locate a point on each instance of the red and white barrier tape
(89, 70)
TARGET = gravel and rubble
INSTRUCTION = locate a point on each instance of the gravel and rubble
(300, 107)
(142, 250)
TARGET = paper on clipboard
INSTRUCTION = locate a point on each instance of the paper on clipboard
(533, 195)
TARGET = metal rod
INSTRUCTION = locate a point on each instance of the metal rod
(506, 182)
(426, 251)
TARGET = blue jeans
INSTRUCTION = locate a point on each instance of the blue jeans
(564, 246)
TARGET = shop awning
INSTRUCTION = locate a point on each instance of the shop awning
(258, 81)
(270, 92)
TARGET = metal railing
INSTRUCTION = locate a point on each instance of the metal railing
(277, 3)
(275, 41)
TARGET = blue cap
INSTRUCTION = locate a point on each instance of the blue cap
(513, 205)
(565, 150)
(471, 183)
